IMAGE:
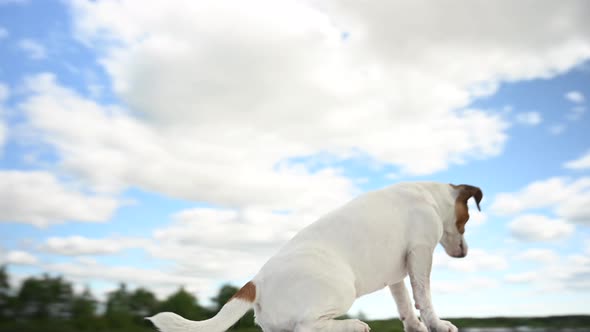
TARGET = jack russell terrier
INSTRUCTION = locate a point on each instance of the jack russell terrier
(374, 241)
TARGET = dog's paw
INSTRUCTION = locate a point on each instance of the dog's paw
(361, 326)
(443, 326)
(414, 326)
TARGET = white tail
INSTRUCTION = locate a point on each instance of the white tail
(229, 314)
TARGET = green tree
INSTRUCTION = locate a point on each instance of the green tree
(84, 312)
(44, 298)
(84, 305)
(185, 304)
(143, 303)
(5, 296)
(118, 308)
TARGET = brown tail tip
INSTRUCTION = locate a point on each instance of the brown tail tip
(246, 293)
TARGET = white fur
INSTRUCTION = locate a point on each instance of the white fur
(374, 241)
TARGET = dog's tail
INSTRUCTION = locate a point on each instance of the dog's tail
(229, 314)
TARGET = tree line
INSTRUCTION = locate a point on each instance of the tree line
(49, 303)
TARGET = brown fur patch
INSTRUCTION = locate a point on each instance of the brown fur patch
(461, 210)
(246, 293)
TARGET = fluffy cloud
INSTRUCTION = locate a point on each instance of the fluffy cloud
(232, 229)
(538, 255)
(581, 163)
(111, 150)
(569, 273)
(38, 198)
(88, 270)
(33, 49)
(575, 97)
(569, 199)
(80, 245)
(310, 90)
(224, 243)
(522, 277)
(557, 129)
(468, 285)
(532, 227)
(475, 261)
(529, 118)
(219, 85)
(18, 257)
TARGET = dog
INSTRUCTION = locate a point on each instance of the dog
(372, 242)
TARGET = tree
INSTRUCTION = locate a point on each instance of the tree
(44, 298)
(84, 305)
(118, 307)
(84, 315)
(143, 303)
(184, 304)
(5, 296)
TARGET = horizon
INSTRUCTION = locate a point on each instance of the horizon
(165, 145)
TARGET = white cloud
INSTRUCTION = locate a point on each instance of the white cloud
(576, 113)
(575, 97)
(338, 105)
(18, 257)
(80, 245)
(88, 271)
(557, 129)
(476, 260)
(532, 227)
(477, 217)
(34, 49)
(468, 285)
(569, 273)
(582, 163)
(569, 199)
(523, 277)
(3, 32)
(232, 229)
(224, 243)
(38, 198)
(538, 255)
(111, 150)
(529, 118)
(309, 93)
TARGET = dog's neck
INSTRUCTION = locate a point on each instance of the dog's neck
(442, 197)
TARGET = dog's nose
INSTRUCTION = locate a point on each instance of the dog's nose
(463, 251)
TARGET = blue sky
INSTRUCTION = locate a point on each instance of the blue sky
(166, 145)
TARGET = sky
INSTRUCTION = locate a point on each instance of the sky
(182, 143)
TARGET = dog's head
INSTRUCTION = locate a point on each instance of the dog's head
(453, 240)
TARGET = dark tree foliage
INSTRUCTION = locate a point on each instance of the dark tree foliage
(184, 304)
(5, 299)
(44, 298)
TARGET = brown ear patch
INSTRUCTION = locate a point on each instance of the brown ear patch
(465, 192)
(246, 293)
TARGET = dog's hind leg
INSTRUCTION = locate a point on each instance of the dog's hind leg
(333, 325)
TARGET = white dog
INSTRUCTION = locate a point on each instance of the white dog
(372, 242)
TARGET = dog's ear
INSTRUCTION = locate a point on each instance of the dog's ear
(464, 193)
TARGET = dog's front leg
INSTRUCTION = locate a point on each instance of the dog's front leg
(419, 267)
(405, 308)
